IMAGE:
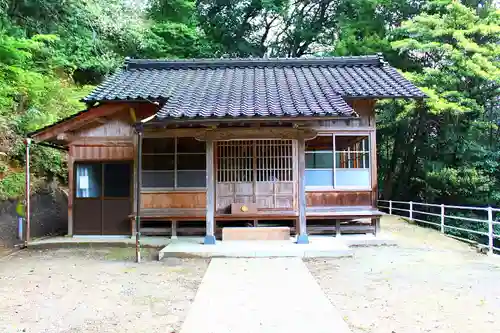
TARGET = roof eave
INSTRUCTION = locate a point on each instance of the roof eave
(347, 97)
(153, 100)
(172, 120)
(43, 129)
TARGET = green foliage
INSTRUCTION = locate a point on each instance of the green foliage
(269, 27)
(456, 184)
(366, 25)
(445, 149)
(12, 186)
(32, 95)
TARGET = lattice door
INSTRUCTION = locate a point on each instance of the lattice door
(259, 171)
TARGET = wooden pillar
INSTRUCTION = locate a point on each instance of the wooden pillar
(174, 230)
(373, 165)
(132, 223)
(376, 225)
(138, 174)
(210, 214)
(71, 189)
(134, 179)
(302, 237)
(27, 193)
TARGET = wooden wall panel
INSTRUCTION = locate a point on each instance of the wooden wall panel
(366, 110)
(103, 153)
(339, 198)
(81, 119)
(174, 200)
(112, 128)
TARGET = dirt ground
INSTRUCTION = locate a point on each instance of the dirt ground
(429, 283)
(95, 290)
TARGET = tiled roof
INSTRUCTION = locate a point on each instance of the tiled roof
(255, 87)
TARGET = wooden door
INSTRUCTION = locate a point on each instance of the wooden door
(116, 204)
(102, 198)
(87, 205)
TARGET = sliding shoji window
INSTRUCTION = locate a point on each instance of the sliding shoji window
(338, 161)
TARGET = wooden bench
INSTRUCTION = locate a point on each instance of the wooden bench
(258, 233)
(339, 213)
(174, 215)
(166, 214)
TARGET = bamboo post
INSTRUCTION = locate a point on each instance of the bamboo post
(138, 170)
(490, 230)
(174, 230)
(442, 218)
(27, 192)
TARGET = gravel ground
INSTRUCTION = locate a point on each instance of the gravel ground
(429, 283)
(95, 290)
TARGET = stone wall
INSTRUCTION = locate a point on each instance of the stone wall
(49, 216)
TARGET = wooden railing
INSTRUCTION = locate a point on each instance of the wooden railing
(484, 222)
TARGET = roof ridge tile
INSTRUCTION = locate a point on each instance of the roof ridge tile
(207, 63)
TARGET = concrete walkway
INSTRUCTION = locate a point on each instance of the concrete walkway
(262, 295)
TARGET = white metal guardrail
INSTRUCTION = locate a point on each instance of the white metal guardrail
(439, 214)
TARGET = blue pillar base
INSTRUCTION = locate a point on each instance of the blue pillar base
(303, 239)
(209, 240)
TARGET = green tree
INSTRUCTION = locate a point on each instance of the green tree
(365, 27)
(94, 35)
(446, 148)
(174, 31)
(270, 27)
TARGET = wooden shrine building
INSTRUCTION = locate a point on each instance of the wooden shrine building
(216, 142)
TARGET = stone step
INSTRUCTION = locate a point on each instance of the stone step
(256, 233)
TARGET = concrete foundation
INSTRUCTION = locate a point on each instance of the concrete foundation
(318, 246)
(118, 241)
(255, 249)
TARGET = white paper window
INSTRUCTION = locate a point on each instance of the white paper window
(88, 180)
